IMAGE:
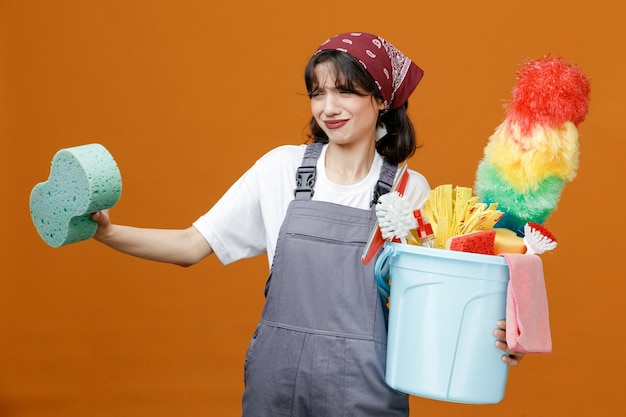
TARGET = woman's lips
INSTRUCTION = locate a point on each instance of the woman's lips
(335, 124)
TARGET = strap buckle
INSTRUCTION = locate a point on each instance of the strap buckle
(381, 188)
(305, 179)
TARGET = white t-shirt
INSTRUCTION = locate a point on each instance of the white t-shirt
(246, 221)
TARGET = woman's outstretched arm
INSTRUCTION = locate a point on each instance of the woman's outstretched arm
(184, 247)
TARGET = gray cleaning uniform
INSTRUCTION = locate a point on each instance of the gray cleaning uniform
(320, 347)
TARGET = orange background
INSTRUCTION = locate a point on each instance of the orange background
(186, 95)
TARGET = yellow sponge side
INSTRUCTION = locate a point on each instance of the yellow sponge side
(507, 241)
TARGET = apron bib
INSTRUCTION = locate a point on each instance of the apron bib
(320, 347)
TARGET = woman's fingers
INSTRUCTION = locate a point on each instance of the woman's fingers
(511, 357)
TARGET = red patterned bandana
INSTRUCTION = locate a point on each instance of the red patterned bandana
(395, 74)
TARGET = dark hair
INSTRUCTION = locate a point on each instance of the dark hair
(400, 141)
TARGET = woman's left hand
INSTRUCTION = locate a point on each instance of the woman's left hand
(511, 358)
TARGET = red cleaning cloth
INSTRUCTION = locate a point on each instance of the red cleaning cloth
(527, 318)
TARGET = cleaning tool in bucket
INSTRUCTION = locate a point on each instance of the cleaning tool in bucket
(376, 240)
(534, 152)
(444, 306)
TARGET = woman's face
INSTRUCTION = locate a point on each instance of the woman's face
(345, 116)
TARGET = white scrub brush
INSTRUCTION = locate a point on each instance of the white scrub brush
(538, 239)
(395, 217)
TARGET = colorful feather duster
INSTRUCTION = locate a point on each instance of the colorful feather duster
(534, 152)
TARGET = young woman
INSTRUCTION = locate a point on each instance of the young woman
(319, 348)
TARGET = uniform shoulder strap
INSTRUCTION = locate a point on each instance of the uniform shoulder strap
(385, 181)
(306, 172)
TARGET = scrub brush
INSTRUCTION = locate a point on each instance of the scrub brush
(538, 239)
(395, 217)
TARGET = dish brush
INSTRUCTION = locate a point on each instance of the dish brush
(538, 239)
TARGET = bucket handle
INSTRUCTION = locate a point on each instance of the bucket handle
(381, 271)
